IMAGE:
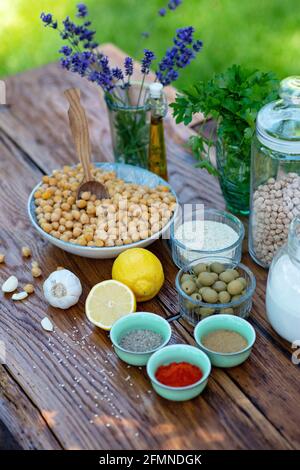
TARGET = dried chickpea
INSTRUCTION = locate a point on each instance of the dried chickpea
(65, 206)
(47, 227)
(77, 231)
(86, 195)
(84, 219)
(28, 288)
(26, 251)
(81, 203)
(36, 271)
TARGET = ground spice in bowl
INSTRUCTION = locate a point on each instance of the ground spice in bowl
(178, 374)
(141, 341)
(224, 341)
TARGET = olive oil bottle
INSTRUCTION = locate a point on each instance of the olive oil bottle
(157, 159)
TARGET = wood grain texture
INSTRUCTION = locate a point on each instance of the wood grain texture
(76, 393)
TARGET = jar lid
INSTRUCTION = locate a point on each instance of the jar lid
(278, 122)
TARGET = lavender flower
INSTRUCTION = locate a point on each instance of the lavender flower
(128, 66)
(147, 60)
(82, 10)
(80, 57)
(197, 46)
(78, 33)
(48, 20)
(162, 12)
(173, 4)
(117, 73)
(66, 50)
(184, 36)
(178, 56)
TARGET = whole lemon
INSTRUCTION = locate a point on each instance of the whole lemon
(141, 271)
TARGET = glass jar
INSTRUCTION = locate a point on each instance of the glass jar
(275, 173)
(129, 118)
(283, 288)
(234, 174)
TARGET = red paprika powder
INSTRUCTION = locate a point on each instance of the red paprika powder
(178, 374)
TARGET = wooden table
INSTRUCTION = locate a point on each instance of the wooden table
(68, 389)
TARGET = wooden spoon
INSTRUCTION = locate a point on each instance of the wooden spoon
(80, 132)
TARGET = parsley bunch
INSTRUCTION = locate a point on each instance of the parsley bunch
(233, 98)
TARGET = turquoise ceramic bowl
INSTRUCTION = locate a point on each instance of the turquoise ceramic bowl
(138, 321)
(179, 353)
(225, 322)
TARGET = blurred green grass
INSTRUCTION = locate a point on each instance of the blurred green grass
(263, 34)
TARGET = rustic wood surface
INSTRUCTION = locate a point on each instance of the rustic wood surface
(68, 389)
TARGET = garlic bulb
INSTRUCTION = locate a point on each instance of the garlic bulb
(62, 289)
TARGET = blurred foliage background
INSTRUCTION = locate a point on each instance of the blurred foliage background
(264, 34)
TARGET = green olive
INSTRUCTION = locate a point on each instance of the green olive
(234, 272)
(198, 283)
(235, 287)
(227, 276)
(188, 287)
(217, 268)
(219, 286)
(206, 279)
(243, 281)
(199, 268)
(224, 297)
(227, 310)
(202, 289)
(206, 311)
(196, 296)
(215, 276)
(186, 277)
(210, 296)
(236, 297)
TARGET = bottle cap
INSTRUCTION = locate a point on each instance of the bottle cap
(155, 90)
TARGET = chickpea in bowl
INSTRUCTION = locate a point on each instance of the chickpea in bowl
(140, 209)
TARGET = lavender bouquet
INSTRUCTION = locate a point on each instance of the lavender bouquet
(127, 101)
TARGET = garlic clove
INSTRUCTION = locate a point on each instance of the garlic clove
(19, 296)
(47, 324)
(10, 284)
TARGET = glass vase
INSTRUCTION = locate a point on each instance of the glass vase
(233, 163)
(129, 117)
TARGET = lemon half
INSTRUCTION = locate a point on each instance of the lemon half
(107, 302)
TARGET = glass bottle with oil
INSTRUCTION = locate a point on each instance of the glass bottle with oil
(157, 160)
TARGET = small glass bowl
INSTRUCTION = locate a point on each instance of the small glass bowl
(192, 309)
(182, 254)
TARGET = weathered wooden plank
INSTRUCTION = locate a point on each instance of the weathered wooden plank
(22, 418)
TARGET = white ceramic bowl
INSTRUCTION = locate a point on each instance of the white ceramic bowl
(128, 173)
